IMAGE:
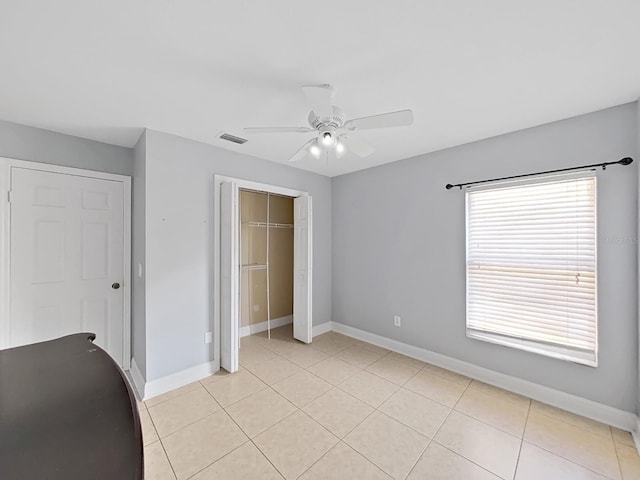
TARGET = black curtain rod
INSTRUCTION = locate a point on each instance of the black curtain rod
(624, 161)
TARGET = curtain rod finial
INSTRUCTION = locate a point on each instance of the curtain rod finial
(448, 186)
(626, 161)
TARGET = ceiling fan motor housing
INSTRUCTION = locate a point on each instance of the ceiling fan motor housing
(336, 120)
(327, 127)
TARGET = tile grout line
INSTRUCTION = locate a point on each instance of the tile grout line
(177, 396)
(526, 420)
(341, 439)
(377, 410)
(255, 393)
(333, 385)
(413, 465)
(467, 459)
(374, 410)
(581, 429)
(489, 424)
(299, 409)
(401, 387)
(217, 460)
(162, 445)
(433, 440)
(567, 459)
(254, 443)
(383, 378)
(325, 453)
(505, 431)
(615, 449)
(452, 409)
(160, 439)
(188, 425)
(250, 439)
(573, 425)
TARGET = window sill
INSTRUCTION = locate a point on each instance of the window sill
(561, 353)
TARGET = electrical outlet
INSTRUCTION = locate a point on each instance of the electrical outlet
(208, 337)
(396, 320)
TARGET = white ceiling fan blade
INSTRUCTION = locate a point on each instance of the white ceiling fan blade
(357, 145)
(401, 118)
(278, 129)
(319, 97)
(304, 150)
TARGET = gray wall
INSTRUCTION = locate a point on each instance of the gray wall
(28, 143)
(138, 256)
(399, 248)
(179, 243)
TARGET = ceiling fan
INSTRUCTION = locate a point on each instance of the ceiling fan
(333, 131)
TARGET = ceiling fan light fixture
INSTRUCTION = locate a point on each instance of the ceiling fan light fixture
(332, 129)
(315, 151)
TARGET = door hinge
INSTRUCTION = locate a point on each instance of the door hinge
(10, 196)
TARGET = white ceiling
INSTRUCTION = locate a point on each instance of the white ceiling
(469, 69)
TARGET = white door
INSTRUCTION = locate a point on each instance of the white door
(302, 261)
(67, 251)
(229, 276)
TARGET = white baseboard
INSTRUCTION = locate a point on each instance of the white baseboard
(262, 326)
(636, 435)
(193, 374)
(138, 378)
(581, 406)
(322, 328)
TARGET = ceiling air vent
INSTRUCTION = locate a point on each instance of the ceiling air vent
(232, 138)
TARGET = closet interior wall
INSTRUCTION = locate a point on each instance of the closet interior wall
(266, 253)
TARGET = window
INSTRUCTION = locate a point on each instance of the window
(531, 266)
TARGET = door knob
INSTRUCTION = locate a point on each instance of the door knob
(115, 286)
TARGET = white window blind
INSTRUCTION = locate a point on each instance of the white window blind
(531, 266)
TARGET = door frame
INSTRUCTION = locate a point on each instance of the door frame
(6, 164)
(217, 265)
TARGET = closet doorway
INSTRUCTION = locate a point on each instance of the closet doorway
(266, 261)
(264, 253)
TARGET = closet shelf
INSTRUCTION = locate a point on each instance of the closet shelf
(253, 266)
(270, 225)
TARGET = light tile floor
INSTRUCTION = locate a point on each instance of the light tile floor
(343, 409)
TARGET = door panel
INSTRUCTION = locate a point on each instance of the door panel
(67, 249)
(229, 277)
(302, 262)
(48, 251)
(95, 261)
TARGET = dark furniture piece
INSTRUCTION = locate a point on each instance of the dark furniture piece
(67, 413)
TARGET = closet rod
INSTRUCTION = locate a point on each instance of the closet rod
(272, 225)
(624, 161)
